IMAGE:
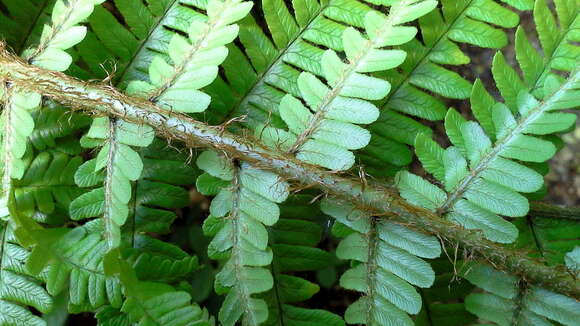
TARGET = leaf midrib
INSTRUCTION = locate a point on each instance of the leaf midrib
(180, 68)
(108, 193)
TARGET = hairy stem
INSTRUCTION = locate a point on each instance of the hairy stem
(102, 99)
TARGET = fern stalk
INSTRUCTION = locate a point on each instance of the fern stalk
(100, 98)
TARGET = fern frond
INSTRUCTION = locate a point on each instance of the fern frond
(572, 260)
(257, 83)
(507, 301)
(62, 34)
(195, 60)
(77, 265)
(423, 73)
(18, 289)
(160, 190)
(325, 133)
(115, 167)
(159, 304)
(239, 214)
(479, 173)
(17, 125)
(155, 260)
(47, 183)
(388, 265)
(293, 240)
(274, 67)
(556, 36)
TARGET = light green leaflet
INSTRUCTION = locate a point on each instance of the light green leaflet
(388, 265)
(507, 304)
(195, 59)
(239, 214)
(324, 131)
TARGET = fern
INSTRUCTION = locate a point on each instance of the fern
(47, 185)
(388, 265)
(572, 260)
(171, 85)
(489, 185)
(257, 83)
(547, 238)
(155, 260)
(77, 265)
(53, 124)
(18, 289)
(145, 32)
(17, 126)
(273, 66)
(63, 33)
(122, 165)
(239, 213)
(195, 60)
(293, 239)
(151, 303)
(324, 134)
(159, 304)
(507, 302)
(423, 72)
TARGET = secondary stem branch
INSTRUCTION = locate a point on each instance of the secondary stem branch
(102, 99)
